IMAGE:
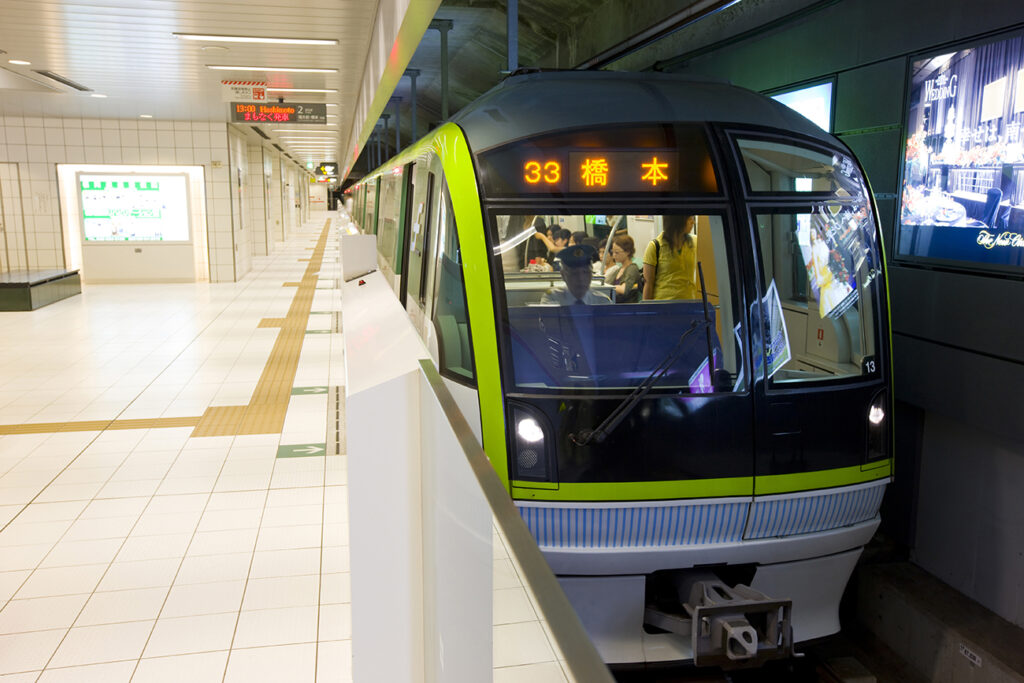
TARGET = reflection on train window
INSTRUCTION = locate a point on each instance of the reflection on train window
(450, 319)
(390, 205)
(370, 218)
(783, 167)
(577, 317)
(818, 293)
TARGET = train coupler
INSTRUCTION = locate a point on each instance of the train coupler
(737, 626)
(729, 627)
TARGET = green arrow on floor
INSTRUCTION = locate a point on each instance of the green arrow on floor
(301, 450)
(305, 391)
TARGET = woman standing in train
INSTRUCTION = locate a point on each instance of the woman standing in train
(624, 276)
(670, 261)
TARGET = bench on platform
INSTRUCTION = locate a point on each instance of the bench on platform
(27, 290)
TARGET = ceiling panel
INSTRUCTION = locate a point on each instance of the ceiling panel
(127, 51)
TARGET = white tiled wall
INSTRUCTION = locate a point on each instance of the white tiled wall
(240, 211)
(12, 240)
(36, 145)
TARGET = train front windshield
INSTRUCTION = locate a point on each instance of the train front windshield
(582, 314)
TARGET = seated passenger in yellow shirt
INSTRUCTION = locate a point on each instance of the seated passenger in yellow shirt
(670, 261)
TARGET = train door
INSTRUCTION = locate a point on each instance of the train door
(818, 372)
(402, 251)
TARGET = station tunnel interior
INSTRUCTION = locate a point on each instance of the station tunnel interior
(955, 505)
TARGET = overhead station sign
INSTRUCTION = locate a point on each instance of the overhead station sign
(327, 168)
(250, 112)
(243, 91)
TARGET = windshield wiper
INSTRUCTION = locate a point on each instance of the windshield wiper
(608, 425)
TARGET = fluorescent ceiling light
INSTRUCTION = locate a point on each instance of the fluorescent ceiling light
(305, 70)
(256, 39)
(331, 104)
(99, 95)
(302, 90)
(303, 130)
(145, 116)
(19, 62)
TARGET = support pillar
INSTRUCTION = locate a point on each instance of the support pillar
(513, 35)
(443, 26)
(413, 74)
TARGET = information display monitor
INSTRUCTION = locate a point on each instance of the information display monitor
(129, 207)
(813, 101)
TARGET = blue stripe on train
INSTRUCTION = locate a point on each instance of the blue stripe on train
(670, 525)
(636, 526)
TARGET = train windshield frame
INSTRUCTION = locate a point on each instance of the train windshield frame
(789, 335)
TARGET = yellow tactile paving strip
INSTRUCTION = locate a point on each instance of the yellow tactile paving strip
(98, 425)
(266, 409)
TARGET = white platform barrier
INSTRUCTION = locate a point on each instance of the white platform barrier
(424, 504)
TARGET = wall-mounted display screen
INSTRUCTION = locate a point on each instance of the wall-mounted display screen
(247, 112)
(963, 176)
(134, 207)
(814, 102)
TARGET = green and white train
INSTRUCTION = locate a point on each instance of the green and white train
(701, 474)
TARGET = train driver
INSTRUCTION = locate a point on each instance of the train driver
(577, 274)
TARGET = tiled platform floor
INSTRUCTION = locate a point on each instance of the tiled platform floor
(138, 551)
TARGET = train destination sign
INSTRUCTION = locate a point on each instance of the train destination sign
(272, 112)
(664, 159)
(604, 171)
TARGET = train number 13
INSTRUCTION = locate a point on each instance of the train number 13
(534, 172)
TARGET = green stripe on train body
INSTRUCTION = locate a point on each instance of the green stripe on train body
(448, 143)
(689, 489)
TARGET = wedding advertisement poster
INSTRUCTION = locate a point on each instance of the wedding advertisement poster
(963, 178)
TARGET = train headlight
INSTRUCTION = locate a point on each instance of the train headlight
(531, 456)
(878, 428)
(529, 430)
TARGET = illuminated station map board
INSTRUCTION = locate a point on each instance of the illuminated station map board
(134, 208)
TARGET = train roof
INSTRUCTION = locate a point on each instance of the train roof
(525, 105)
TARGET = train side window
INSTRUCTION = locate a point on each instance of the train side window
(370, 225)
(390, 215)
(776, 167)
(818, 296)
(451, 320)
(419, 233)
